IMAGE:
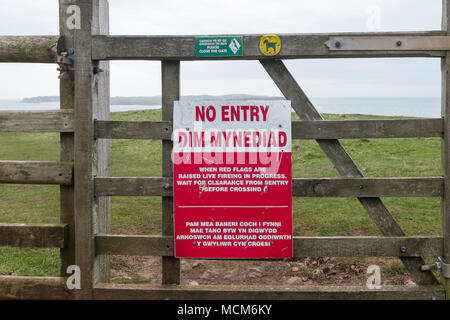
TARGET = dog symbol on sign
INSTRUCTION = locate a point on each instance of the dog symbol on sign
(270, 45)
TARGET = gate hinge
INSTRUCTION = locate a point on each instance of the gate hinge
(65, 62)
(440, 266)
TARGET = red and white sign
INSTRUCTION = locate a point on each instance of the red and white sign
(232, 179)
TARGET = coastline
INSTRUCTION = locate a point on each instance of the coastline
(427, 107)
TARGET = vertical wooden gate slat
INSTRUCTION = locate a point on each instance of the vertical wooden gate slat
(170, 73)
(445, 152)
(90, 88)
(84, 151)
(101, 98)
(66, 94)
(343, 162)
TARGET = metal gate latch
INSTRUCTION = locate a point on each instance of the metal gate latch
(65, 62)
(440, 266)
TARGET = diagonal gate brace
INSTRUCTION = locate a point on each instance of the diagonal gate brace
(344, 164)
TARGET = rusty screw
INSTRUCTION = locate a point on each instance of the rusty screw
(399, 43)
(337, 44)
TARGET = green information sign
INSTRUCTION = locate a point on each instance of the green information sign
(218, 46)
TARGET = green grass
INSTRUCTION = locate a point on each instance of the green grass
(394, 269)
(29, 262)
(141, 215)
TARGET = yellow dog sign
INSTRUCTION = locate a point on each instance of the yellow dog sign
(270, 44)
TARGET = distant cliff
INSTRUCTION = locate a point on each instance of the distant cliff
(40, 99)
(156, 100)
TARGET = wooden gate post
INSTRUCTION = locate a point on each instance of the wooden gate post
(170, 74)
(445, 152)
(91, 156)
(66, 97)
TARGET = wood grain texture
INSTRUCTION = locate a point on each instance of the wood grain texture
(37, 49)
(67, 149)
(170, 83)
(343, 163)
(36, 121)
(445, 144)
(294, 46)
(90, 158)
(54, 288)
(336, 129)
(158, 130)
(264, 292)
(367, 246)
(134, 245)
(369, 187)
(33, 235)
(84, 152)
(34, 288)
(380, 43)
(134, 186)
(36, 172)
(303, 246)
(359, 129)
(323, 187)
(101, 96)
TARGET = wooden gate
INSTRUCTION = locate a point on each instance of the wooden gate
(83, 171)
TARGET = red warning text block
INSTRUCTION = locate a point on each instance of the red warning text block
(232, 179)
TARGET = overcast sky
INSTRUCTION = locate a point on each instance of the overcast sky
(319, 78)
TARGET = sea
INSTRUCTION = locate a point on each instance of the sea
(429, 107)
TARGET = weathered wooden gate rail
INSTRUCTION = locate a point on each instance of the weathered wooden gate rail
(33, 235)
(83, 171)
(36, 172)
(54, 288)
(29, 49)
(335, 129)
(42, 49)
(215, 292)
(303, 246)
(323, 187)
(36, 121)
(295, 46)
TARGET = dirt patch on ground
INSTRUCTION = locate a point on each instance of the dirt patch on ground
(299, 271)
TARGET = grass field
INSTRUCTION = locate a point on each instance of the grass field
(141, 215)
